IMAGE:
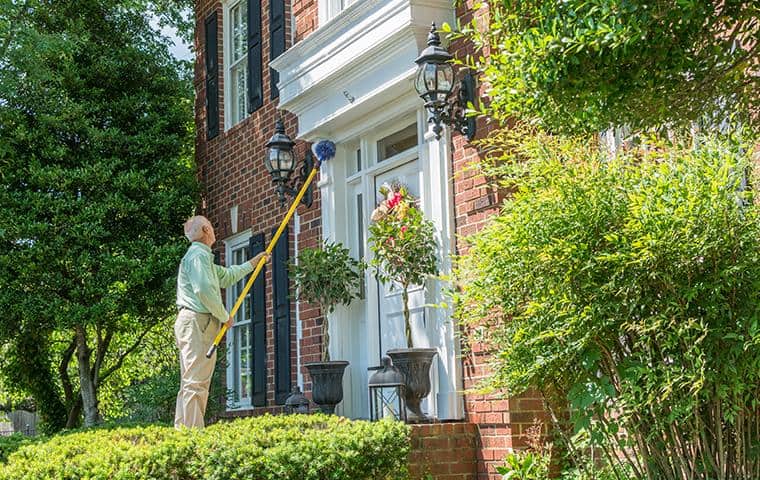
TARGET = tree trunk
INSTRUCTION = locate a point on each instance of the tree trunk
(87, 385)
(325, 336)
(407, 325)
(75, 412)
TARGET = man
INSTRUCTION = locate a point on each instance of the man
(201, 313)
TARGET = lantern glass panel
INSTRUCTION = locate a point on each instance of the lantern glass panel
(445, 79)
(387, 402)
(286, 161)
(419, 82)
(271, 160)
(431, 78)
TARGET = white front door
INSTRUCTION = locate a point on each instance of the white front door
(392, 334)
(369, 327)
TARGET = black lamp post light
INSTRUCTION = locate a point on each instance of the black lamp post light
(435, 83)
(387, 393)
(296, 402)
(280, 162)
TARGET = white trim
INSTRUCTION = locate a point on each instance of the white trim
(365, 52)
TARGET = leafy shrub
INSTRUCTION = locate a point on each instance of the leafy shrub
(628, 289)
(582, 66)
(313, 447)
(525, 466)
(12, 443)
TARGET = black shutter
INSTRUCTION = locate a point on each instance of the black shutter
(276, 40)
(212, 78)
(281, 302)
(255, 81)
(259, 328)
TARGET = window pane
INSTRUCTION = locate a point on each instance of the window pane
(240, 360)
(239, 93)
(360, 231)
(236, 35)
(243, 338)
(239, 19)
(397, 142)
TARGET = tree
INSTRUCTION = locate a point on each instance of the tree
(627, 288)
(95, 179)
(583, 66)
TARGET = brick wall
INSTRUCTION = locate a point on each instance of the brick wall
(443, 451)
(231, 170)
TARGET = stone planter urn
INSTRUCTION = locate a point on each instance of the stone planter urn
(326, 384)
(414, 364)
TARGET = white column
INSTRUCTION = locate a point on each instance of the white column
(440, 202)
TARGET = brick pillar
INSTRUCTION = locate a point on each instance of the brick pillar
(443, 451)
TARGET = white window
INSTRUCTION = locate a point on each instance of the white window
(236, 62)
(328, 9)
(239, 348)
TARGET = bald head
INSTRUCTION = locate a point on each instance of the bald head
(194, 228)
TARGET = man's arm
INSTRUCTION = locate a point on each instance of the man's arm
(206, 287)
(228, 276)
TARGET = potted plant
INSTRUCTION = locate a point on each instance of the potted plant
(327, 276)
(404, 248)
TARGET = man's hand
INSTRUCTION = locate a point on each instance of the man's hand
(255, 260)
(230, 322)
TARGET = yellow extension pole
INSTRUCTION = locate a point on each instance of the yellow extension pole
(263, 261)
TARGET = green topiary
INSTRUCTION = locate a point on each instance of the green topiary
(328, 276)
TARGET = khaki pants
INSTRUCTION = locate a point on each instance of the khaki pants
(195, 333)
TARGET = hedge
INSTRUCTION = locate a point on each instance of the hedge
(312, 447)
(12, 443)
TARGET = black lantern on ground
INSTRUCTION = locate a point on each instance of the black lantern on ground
(435, 82)
(280, 162)
(296, 402)
(387, 393)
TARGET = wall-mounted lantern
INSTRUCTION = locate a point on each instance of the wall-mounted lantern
(387, 393)
(280, 162)
(435, 83)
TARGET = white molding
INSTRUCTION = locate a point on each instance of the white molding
(366, 50)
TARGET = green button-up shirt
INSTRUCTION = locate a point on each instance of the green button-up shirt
(199, 281)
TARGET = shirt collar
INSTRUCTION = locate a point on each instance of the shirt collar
(202, 246)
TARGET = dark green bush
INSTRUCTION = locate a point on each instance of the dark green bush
(12, 443)
(314, 447)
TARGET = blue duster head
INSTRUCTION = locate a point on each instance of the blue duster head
(324, 150)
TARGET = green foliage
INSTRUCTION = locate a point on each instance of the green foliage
(96, 176)
(628, 287)
(313, 447)
(13, 442)
(403, 243)
(525, 466)
(586, 65)
(150, 396)
(329, 276)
